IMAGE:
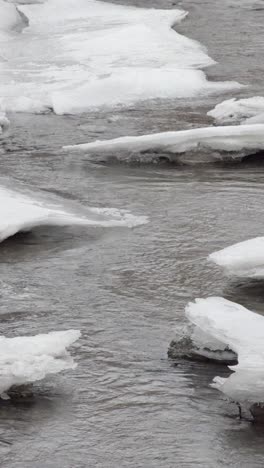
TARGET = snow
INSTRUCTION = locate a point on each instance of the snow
(19, 212)
(230, 141)
(244, 259)
(242, 330)
(247, 111)
(27, 359)
(78, 55)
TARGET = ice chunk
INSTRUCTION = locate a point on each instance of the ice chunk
(26, 359)
(192, 343)
(19, 212)
(218, 142)
(243, 331)
(4, 123)
(23, 104)
(84, 54)
(248, 111)
(245, 259)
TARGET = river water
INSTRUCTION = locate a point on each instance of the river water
(126, 404)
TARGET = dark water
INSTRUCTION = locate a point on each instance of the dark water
(126, 405)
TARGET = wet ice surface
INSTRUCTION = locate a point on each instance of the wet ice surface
(126, 404)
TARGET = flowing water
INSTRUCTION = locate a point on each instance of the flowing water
(126, 404)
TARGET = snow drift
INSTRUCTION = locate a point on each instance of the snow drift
(27, 359)
(19, 212)
(78, 55)
(244, 259)
(218, 143)
(243, 331)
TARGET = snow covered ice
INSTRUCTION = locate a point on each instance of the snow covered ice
(242, 330)
(20, 212)
(27, 359)
(226, 142)
(246, 111)
(95, 54)
(244, 259)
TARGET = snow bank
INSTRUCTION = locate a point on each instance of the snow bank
(27, 359)
(248, 111)
(245, 259)
(243, 331)
(78, 55)
(22, 213)
(218, 142)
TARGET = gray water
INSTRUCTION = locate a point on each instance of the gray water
(126, 404)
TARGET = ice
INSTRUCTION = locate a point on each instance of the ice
(27, 359)
(193, 343)
(78, 55)
(20, 212)
(4, 123)
(247, 111)
(218, 143)
(23, 104)
(242, 330)
(10, 18)
(244, 259)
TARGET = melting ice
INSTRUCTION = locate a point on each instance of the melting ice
(217, 143)
(20, 212)
(77, 55)
(26, 359)
(242, 330)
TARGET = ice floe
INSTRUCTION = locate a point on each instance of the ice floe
(77, 55)
(244, 259)
(210, 143)
(27, 359)
(19, 212)
(246, 111)
(242, 331)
